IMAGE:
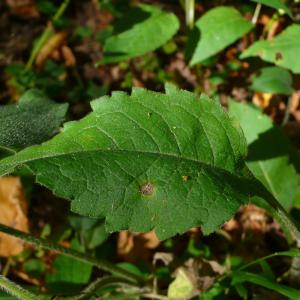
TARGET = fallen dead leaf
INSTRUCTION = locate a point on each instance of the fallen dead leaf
(133, 247)
(68, 56)
(254, 218)
(194, 277)
(165, 257)
(23, 8)
(13, 209)
(54, 43)
(262, 99)
(294, 106)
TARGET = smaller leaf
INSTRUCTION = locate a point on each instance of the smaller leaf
(68, 274)
(181, 287)
(32, 121)
(143, 29)
(281, 50)
(277, 4)
(270, 153)
(273, 80)
(289, 292)
(217, 29)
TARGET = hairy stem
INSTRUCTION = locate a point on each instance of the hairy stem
(15, 290)
(101, 264)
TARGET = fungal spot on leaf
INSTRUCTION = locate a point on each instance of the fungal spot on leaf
(185, 178)
(278, 56)
(147, 189)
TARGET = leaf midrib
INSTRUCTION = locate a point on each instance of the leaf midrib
(12, 164)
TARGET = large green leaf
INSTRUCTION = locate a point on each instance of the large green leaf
(282, 50)
(32, 121)
(147, 161)
(273, 80)
(277, 4)
(217, 29)
(143, 29)
(270, 153)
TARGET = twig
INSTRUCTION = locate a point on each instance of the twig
(155, 296)
(287, 111)
(256, 13)
(94, 286)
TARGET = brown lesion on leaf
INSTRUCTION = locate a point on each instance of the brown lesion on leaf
(147, 189)
(185, 178)
(278, 56)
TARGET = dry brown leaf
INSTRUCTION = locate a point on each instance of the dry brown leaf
(55, 55)
(262, 99)
(134, 247)
(194, 277)
(204, 272)
(13, 208)
(54, 42)
(254, 218)
(165, 257)
(23, 8)
(68, 56)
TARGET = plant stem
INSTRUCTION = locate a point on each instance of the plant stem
(281, 213)
(256, 13)
(7, 266)
(45, 35)
(287, 111)
(189, 13)
(91, 289)
(15, 290)
(101, 264)
(283, 253)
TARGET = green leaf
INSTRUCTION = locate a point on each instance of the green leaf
(181, 287)
(167, 162)
(280, 50)
(270, 153)
(144, 29)
(68, 274)
(34, 267)
(284, 290)
(216, 30)
(273, 80)
(32, 121)
(277, 4)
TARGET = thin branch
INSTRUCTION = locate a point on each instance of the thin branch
(94, 286)
(256, 13)
(287, 111)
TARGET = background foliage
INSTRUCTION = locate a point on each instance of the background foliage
(58, 56)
